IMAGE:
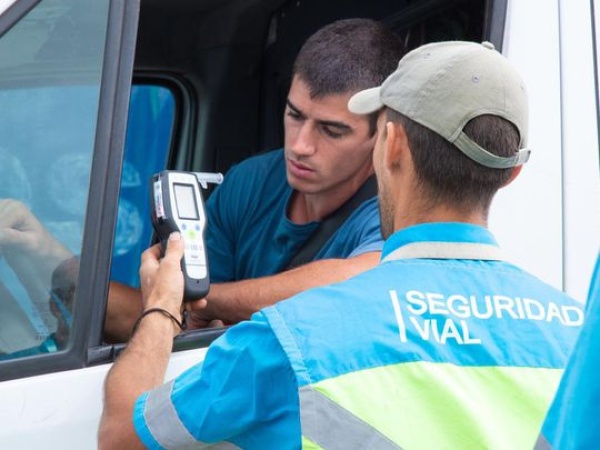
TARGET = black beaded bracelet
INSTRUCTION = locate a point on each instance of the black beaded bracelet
(164, 312)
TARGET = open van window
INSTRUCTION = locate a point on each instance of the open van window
(148, 144)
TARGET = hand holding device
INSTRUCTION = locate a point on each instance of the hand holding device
(177, 205)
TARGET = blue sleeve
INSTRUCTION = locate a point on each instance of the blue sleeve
(571, 421)
(367, 228)
(371, 239)
(594, 291)
(245, 392)
(360, 233)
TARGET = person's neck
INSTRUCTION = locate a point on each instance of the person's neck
(406, 217)
(307, 207)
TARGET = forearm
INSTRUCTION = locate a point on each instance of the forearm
(124, 307)
(142, 365)
(236, 301)
(140, 368)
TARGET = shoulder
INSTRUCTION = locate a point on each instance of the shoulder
(245, 180)
(255, 173)
(360, 233)
(342, 318)
(244, 380)
(367, 211)
(545, 290)
(321, 306)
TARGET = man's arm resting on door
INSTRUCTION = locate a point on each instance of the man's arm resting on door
(235, 301)
(124, 307)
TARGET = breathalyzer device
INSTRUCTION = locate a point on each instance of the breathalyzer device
(176, 205)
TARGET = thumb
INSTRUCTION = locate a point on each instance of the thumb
(175, 248)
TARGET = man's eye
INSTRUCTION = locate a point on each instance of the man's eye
(293, 114)
(331, 133)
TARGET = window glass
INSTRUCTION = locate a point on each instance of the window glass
(50, 70)
(149, 131)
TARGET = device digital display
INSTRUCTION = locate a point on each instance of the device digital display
(187, 208)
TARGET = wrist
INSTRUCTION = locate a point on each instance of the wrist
(159, 312)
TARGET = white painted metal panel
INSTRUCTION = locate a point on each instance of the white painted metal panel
(580, 146)
(549, 219)
(62, 410)
(527, 215)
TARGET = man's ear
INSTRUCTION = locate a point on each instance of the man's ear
(396, 145)
(514, 174)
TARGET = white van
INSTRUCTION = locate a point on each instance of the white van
(96, 95)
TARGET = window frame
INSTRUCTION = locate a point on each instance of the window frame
(15, 13)
(101, 213)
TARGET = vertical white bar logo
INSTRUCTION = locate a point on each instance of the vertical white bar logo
(399, 317)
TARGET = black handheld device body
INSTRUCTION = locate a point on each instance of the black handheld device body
(176, 205)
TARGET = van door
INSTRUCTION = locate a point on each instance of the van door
(65, 76)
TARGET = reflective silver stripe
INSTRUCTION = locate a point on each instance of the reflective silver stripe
(542, 443)
(333, 427)
(166, 428)
(220, 446)
(447, 250)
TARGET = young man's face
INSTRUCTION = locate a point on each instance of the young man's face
(327, 148)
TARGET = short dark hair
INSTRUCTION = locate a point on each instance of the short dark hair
(446, 175)
(347, 56)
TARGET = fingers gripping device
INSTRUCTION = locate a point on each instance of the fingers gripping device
(176, 205)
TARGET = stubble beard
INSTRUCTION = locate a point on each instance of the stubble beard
(386, 212)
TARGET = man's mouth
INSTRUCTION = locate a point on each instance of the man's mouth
(298, 169)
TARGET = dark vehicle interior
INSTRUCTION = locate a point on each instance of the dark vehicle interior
(229, 60)
(228, 63)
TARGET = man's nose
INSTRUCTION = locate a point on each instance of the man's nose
(304, 143)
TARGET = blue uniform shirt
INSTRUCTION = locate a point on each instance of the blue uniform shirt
(243, 392)
(246, 390)
(249, 235)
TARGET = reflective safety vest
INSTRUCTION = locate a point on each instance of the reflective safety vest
(423, 352)
(443, 345)
(332, 419)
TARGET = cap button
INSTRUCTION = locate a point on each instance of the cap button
(488, 45)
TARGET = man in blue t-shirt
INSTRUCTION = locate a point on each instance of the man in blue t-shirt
(269, 206)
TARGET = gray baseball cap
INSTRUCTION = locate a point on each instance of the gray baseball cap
(444, 85)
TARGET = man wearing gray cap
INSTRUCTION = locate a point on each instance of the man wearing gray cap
(444, 344)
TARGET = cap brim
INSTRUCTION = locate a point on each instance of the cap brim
(366, 102)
